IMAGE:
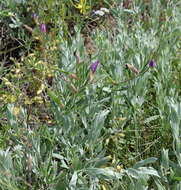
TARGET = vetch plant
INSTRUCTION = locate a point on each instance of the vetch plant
(152, 63)
(61, 130)
(34, 16)
(93, 69)
(93, 66)
(43, 28)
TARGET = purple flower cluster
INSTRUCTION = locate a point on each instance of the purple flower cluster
(34, 16)
(43, 28)
(93, 66)
(152, 63)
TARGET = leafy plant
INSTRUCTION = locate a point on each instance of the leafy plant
(90, 101)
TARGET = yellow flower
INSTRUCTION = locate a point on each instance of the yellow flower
(38, 99)
(82, 6)
(42, 87)
(6, 81)
(119, 168)
(16, 111)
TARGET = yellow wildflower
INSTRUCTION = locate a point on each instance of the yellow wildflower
(42, 87)
(82, 6)
(16, 111)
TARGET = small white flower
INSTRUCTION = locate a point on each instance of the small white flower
(105, 10)
(99, 12)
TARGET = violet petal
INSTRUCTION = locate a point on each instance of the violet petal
(93, 66)
(43, 28)
(34, 16)
(152, 63)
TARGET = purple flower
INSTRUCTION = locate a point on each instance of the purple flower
(152, 63)
(93, 66)
(34, 16)
(43, 28)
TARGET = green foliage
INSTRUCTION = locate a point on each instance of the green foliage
(64, 126)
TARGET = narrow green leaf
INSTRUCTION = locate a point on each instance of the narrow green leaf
(73, 180)
(145, 162)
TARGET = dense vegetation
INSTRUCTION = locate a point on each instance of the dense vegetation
(90, 95)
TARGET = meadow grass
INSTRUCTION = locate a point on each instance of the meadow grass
(90, 97)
